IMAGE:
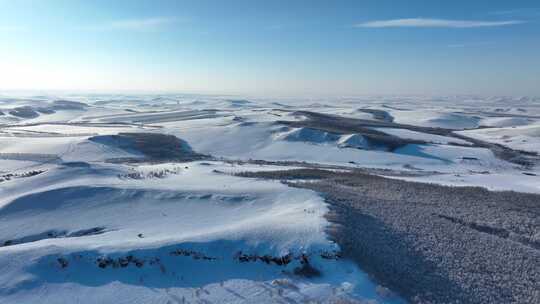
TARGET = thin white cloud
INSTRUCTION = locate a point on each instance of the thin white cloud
(146, 24)
(428, 22)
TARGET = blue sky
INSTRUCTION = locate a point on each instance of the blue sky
(286, 48)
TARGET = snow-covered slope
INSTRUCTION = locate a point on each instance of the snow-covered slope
(525, 138)
(426, 118)
(182, 237)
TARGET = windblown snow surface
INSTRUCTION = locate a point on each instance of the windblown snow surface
(91, 213)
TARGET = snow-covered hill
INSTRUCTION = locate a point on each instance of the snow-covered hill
(133, 199)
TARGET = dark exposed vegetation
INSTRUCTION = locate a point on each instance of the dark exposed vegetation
(63, 262)
(268, 259)
(310, 171)
(290, 174)
(378, 114)
(341, 125)
(305, 269)
(153, 174)
(432, 243)
(307, 167)
(344, 125)
(45, 158)
(68, 105)
(154, 146)
(104, 262)
(10, 176)
(24, 112)
(196, 255)
(301, 266)
(53, 234)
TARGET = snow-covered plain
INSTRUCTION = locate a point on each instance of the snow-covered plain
(79, 226)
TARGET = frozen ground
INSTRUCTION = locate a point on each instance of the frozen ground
(131, 199)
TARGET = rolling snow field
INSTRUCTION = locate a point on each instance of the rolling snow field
(183, 199)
